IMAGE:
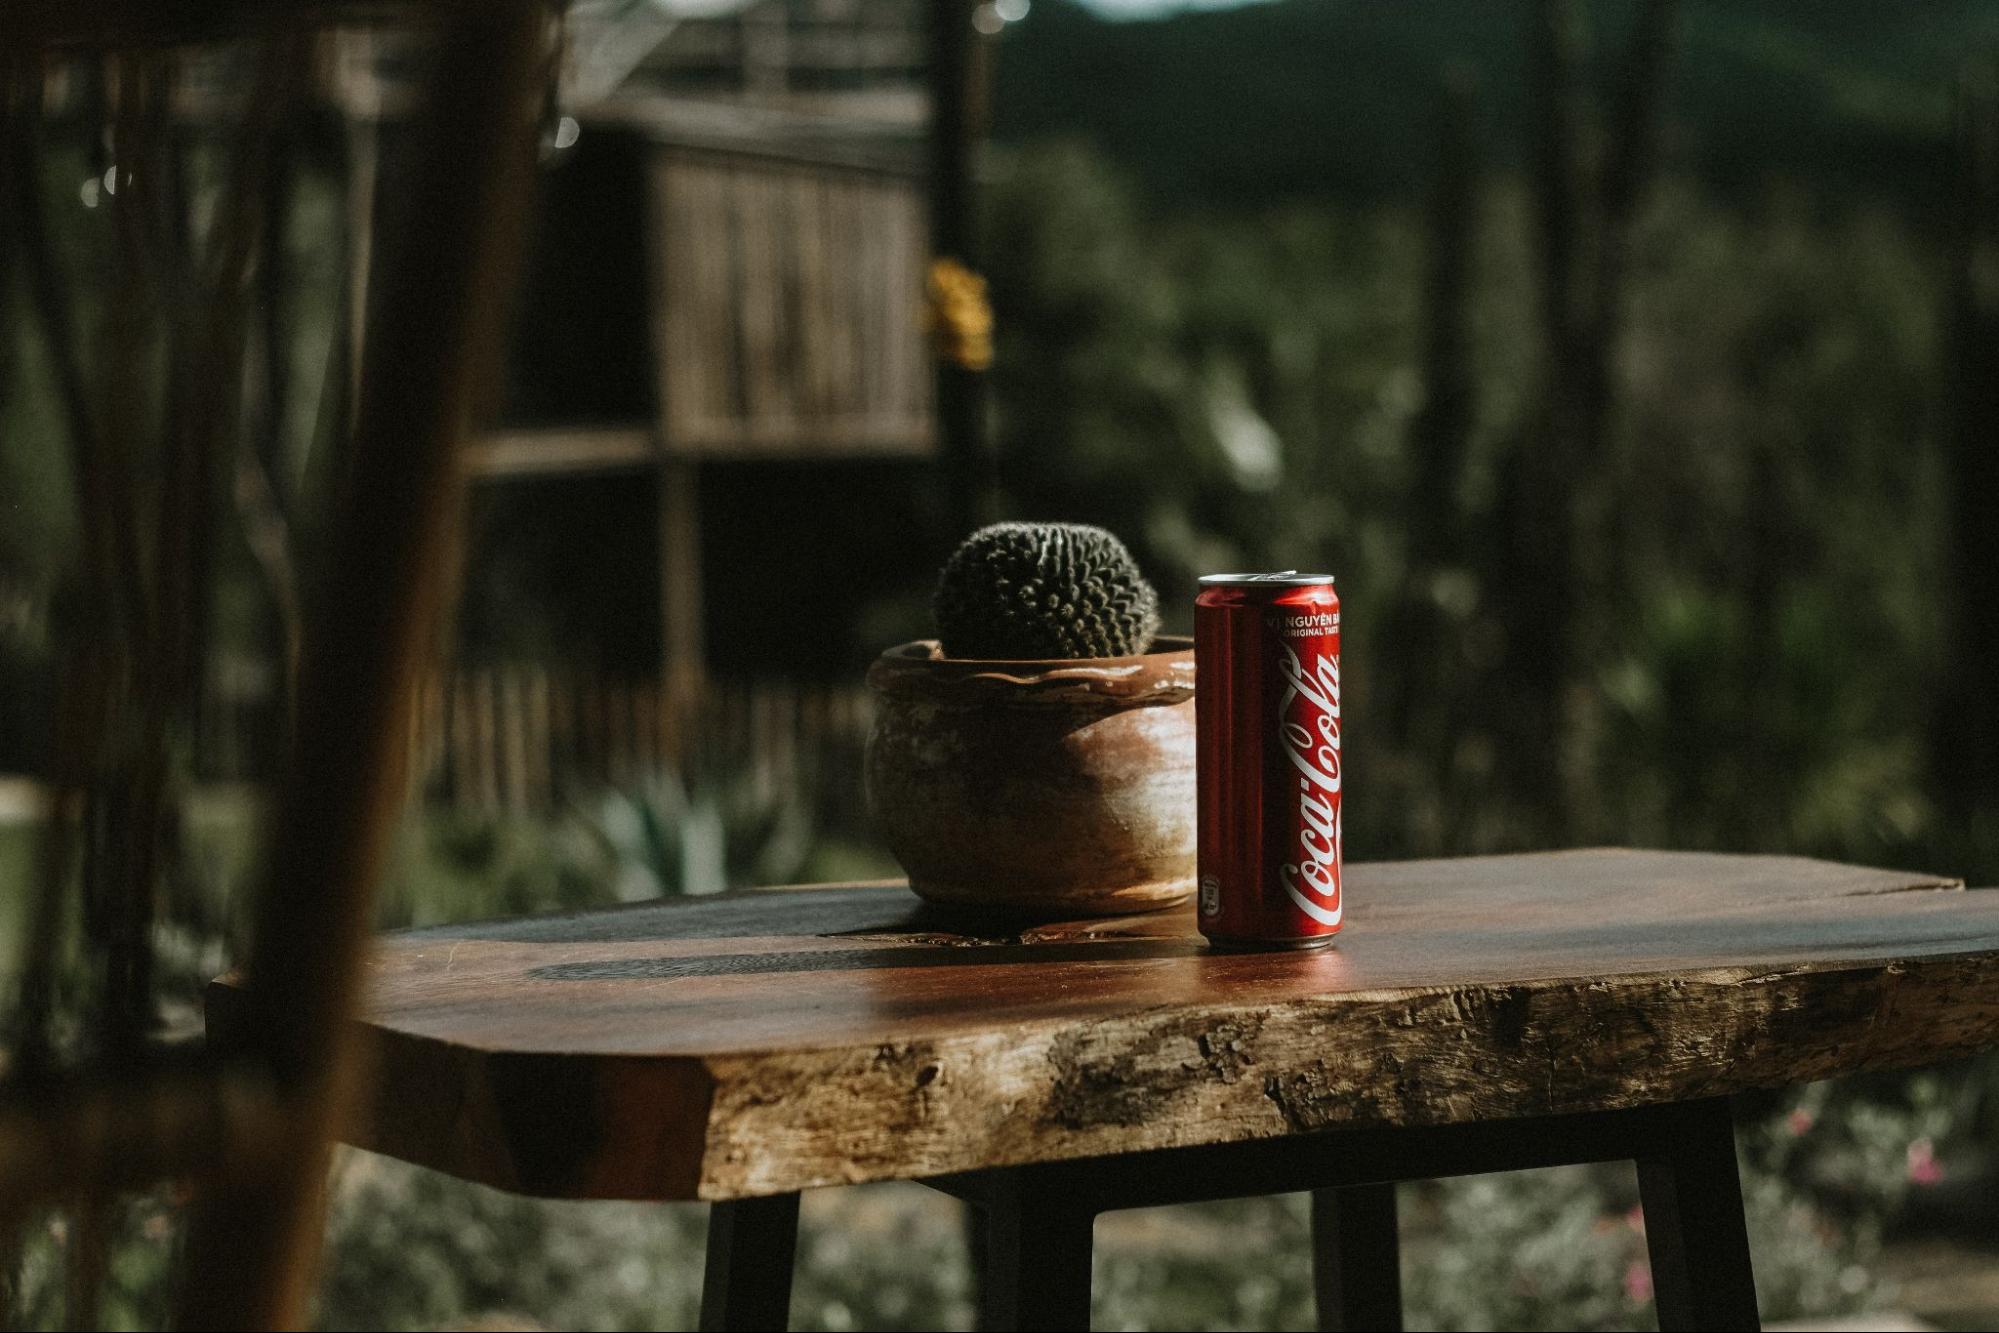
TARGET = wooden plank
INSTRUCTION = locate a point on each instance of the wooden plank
(844, 352)
(699, 130)
(485, 741)
(916, 401)
(683, 632)
(667, 226)
(528, 453)
(645, 733)
(460, 749)
(786, 310)
(817, 319)
(27, 24)
(541, 749)
(837, 1036)
(565, 742)
(857, 436)
(511, 719)
(761, 301)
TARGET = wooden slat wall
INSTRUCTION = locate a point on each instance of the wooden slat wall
(520, 738)
(788, 308)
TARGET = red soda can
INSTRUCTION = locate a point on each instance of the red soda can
(1267, 759)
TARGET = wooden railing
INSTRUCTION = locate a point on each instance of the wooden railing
(519, 738)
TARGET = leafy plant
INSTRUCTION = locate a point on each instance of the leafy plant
(671, 835)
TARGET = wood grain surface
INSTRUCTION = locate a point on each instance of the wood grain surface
(768, 1041)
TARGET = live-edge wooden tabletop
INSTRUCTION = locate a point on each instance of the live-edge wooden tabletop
(760, 1042)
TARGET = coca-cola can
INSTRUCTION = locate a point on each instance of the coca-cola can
(1267, 757)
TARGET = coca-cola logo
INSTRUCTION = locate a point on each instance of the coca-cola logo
(1308, 728)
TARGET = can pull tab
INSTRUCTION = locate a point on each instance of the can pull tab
(1277, 577)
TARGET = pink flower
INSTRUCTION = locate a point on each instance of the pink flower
(1638, 1282)
(1800, 1122)
(1923, 1166)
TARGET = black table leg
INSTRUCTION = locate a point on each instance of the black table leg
(751, 1245)
(1694, 1225)
(1356, 1258)
(976, 1248)
(1038, 1248)
(1037, 1219)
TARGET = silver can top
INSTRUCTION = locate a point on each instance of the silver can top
(1287, 578)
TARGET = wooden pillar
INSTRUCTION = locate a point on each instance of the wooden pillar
(958, 96)
(683, 654)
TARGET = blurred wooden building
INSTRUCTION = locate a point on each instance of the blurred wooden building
(729, 265)
(719, 387)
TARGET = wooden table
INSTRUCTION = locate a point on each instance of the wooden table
(1477, 1015)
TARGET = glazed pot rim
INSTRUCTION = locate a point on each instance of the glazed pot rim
(920, 669)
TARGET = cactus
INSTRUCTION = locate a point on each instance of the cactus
(1026, 591)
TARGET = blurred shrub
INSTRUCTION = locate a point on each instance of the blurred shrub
(410, 1249)
(1532, 1250)
(662, 836)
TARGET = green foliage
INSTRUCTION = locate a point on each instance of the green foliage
(1551, 1250)
(457, 865)
(1845, 96)
(411, 1249)
(1759, 613)
(671, 836)
(661, 836)
(139, 1239)
(1024, 591)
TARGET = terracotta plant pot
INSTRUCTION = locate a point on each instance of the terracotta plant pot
(1048, 789)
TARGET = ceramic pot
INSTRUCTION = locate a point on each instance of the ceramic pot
(1049, 789)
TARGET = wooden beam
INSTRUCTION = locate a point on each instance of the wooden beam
(912, 438)
(101, 24)
(793, 133)
(560, 452)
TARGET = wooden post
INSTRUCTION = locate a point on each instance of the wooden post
(683, 657)
(957, 123)
(1694, 1225)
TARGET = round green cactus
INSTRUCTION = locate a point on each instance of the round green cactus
(1028, 591)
